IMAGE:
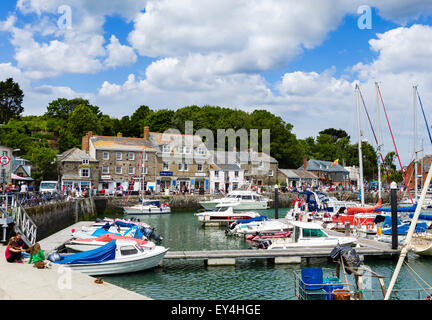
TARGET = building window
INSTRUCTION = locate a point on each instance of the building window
(180, 149)
(85, 161)
(216, 173)
(145, 156)
(187, 149)
(270, 173)
(165, 166)
(118, 170)
(185, 167)
(105, 169)
(166, 148)
(131, 170)
(118, 155)
(200, 150)
(105, 155)
(236, 174)
(180, 168)
(261, 164)
(85, 172)
(144, 170)
(199, 167)
(131, 156)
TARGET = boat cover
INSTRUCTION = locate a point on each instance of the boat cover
(403, 229)
(100, 232)
(401, 209)
(260, 218)
(123, 224)
(108, 237)
(134, 232)
(102, 254)
(385, 219)
(354, 210)
(427, 217)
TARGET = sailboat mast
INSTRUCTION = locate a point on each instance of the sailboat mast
(379, 140)
(415, 141)
(360, 147)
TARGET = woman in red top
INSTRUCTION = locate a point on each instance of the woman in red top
(12, 253)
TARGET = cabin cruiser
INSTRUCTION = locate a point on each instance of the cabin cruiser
(115, 257)
(310, 235)
(225, 212)
(259, 224)
(148, 207)
(246, 200)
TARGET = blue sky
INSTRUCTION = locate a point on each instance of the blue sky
(299, 60)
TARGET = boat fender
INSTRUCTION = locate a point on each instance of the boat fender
(54, 257)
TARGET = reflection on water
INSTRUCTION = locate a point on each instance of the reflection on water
(248, 279)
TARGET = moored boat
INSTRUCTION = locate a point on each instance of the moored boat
(225, 213)
(259, 224)
(115, 257)
(245, 200)
(148, 207)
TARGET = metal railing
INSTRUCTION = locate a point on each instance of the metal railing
(12, 208)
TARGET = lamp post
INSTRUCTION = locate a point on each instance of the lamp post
(276, 205)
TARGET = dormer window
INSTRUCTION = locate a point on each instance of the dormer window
(166, 148)
(85, 161)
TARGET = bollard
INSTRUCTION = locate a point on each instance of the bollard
(393, 201)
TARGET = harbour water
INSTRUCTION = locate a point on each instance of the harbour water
(248, 279)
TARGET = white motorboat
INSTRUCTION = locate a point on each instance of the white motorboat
(246, 200)
(310, 235)
(259, 224)
(148, 207)
(225, 213)
(115, 257)
(79, 245)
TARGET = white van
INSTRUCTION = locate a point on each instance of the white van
(49, 186)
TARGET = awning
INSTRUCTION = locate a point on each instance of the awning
(16, 177)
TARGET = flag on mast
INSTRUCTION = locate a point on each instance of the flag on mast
(335, 162)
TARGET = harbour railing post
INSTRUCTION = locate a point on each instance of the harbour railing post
(393, 201)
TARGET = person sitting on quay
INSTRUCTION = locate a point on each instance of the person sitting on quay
(12, 253)
(37, 256)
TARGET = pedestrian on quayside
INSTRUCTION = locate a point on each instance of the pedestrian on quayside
(37, 256)
(12, 253)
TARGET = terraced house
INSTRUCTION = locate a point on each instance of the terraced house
(161, 161)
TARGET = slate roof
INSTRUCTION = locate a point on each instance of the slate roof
(320, 165)
(298, 174)
(75, 155)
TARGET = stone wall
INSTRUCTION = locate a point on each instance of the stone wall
(54, 217)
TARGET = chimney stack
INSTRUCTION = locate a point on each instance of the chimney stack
(146, 132)
(305, 163)
(85, 141)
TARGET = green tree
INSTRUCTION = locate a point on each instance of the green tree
(11, 98)
(62, 107)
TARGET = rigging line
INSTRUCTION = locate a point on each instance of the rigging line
(414, 274)
(424, 116)
(394, 143)
(373, 131)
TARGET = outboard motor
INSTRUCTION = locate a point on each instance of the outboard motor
(54, 257)
(151, 235)
(264, 244)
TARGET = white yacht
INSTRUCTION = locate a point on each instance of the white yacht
(260, 224)
(225, 213)
(246, 200)
(148, 207)
(310, 235)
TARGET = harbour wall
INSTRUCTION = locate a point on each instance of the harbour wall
(52, 217)
(112, 205)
